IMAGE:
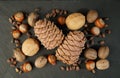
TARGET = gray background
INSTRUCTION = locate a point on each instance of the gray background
(108, 8)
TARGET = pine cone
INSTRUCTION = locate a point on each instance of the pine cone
(48, 33)
(71, 48)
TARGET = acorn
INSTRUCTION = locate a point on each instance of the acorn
(16, 33)
(26, 67)
(95, 31)
(19, 16)
(61, 20)
(52, 59)
(100, 23)
(90, 65)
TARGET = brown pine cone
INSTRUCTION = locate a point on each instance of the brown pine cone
(71, 48)
(48, 33)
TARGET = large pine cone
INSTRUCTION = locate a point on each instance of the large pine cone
(48, 33)
(71, 48)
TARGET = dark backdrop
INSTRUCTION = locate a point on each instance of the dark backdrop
(108, 8)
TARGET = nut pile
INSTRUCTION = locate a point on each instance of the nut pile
(84, 30)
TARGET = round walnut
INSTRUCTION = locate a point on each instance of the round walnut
(90, 54)
(75, 21)
(30, 47)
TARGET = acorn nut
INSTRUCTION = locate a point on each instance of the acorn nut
(52, 59)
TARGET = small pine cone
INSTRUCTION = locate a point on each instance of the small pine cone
(71, 48)
(48, 33)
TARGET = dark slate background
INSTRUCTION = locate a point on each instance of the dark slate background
(108, 8)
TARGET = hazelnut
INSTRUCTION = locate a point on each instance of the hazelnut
(52, 59)
(103, 52)
(26, 67)
(90, 65)
(16, 34)
(102, 64)
(61, 20)
(100, 23)
(95, 30)
(23, 28)
(90, 54)
(19, 16)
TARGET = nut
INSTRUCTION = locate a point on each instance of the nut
(92, 15)
(100, 23)
(52, 59)
(90, 65)
(20, 57)
(23, 28)
(16, 34)
(30, 47)
(95, 31)
(90, 54)
(102, 64)
(19, 16)
(32, 18)
(61, 20)
(40, 62)
(75, 21)
(103, 52)
(26, 67)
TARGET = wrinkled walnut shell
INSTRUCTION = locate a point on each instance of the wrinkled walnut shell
(90, 54)
(40, 62)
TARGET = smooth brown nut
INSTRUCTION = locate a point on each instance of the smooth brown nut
(102, 64)
(103, 52)
(90, 65)
(52, 59)
(92, 15)
(61, 20)
(40, 62)
(30, 47)
(20, 57)
(90, 54)
(26, 67)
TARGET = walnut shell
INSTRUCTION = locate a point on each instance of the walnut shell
(103, 52)
(40, 62)
(30, 47)
(20, 57)
(102, 64)
(75, 21)
(90, 54)
(92, 15)
(32, 18)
